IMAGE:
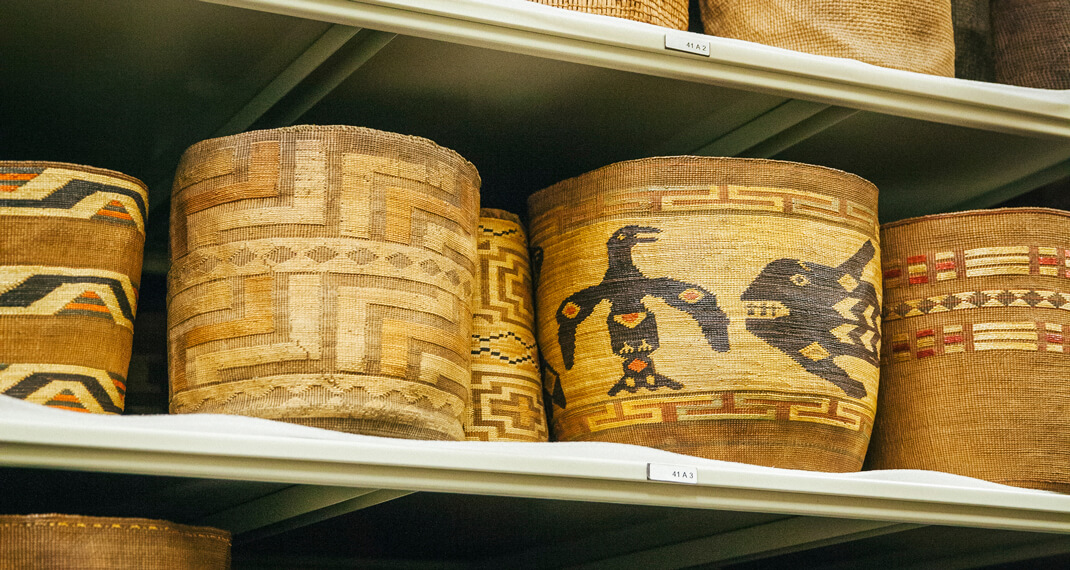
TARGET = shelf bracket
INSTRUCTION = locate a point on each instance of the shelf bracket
(776, 130)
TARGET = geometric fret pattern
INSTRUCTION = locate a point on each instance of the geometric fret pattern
(35, 290)
(323, 275)
(941, 266)
(506, 385)
(60, 191)
(1033, 298)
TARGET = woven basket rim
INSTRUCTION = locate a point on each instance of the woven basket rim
(123, 521)
(499, 214)
(978, 212)
(389, 135)
(72, 166)
(536, 196)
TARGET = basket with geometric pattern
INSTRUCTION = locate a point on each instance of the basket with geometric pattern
(977, 347)
(60, 542)
(323, 275)
(719, 307)
(665, 13)
(70, 265)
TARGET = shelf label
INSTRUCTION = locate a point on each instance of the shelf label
(671, 473)
(687, 43)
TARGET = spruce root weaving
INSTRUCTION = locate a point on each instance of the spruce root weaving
(665, 13)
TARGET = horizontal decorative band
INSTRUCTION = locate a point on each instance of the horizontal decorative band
(75, 388)
(39, 290)
(977, 262)
(59, 192)
(993, 298)
(1031, 336)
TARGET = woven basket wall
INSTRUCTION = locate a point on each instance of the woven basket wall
(323, 276)
(973, 40)
(977, 347)
(718, 307)
(915, 35)
(666, 13)
(506, 385)
(61, 542)
(71, 242)
(1032, 40)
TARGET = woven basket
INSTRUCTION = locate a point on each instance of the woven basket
(71, 241)
(665, 13)
(915, 35)
(973, 40)
(61, 542)
(977, 348)
(1032, 40)
(724, 308)
(323, 276)
(506, 385)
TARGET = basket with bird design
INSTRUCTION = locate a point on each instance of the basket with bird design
(60, 542)
(665, 13)
(912, 35)
(977, 353)
(323, 275)
(725, 308)
(71, 243)
(507, 402)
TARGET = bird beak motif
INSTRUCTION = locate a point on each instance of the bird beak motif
(646, 230)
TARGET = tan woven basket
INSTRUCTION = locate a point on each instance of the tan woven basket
(977, 347)
(323, 276)
(61, 542)
(1032, 42)
(725, 308)
(71, 241)
(914, 35)
(506, 385)
(666, 13)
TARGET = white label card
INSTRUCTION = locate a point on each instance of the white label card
(687, 43)
(671, 473)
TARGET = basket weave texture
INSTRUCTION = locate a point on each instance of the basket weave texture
(977, 347)
(665, 13)
(914, 35)
(973, 40)
(506, 385)
(323, 276)
(1032, 42)
(71, 244)
(724, 308)
(60, 542)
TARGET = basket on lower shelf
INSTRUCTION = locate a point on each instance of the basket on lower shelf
(914, 35)
(1032, 42)
(55, 542)
(977, 347)
(665, 13)
(323, 276)
(71, 244)
(718, 307)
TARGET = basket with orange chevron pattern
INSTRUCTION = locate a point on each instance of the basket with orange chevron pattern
(323, 276)
(719, 307)
(977, 347)
(70, 264)
(507, 402)
(665, 13)
(59, 542)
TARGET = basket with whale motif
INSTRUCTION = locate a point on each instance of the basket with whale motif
(665, 13)
(977, 353)
(323, 275)
(60, 542)
(71, 243)
(719, 307)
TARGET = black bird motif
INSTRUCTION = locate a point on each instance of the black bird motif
(814, 313)
(633, 330)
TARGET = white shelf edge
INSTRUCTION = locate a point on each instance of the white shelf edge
(529, 28)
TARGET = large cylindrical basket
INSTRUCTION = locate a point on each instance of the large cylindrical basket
(724, 308)
(977, 347)
(60, 542)
(507, 403)
(665, 13)
(913, 35)
(323, 276)
(1032, 42)
(71, 243)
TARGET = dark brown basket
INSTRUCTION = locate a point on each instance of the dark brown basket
(973, 40)
(1032, 42)
(977, 347)
(61, 542)
(71, 243)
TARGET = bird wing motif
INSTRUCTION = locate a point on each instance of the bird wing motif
(573, 310)
(699, 304)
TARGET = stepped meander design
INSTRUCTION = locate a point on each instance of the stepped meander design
(323, 275)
